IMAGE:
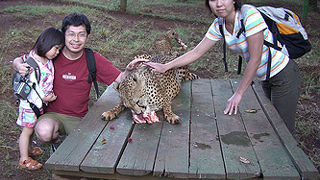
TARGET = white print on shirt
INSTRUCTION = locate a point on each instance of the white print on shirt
(69, 77)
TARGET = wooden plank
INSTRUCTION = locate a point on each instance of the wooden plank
(92, 176)
(234, 139)
(205, 156)
(103, 157)
(139, 155)
(173, 153)
(74, 148)
(273, 159)
(300, 159)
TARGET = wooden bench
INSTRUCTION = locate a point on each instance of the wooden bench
(207, 144)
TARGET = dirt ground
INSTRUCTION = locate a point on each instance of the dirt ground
(308, 107)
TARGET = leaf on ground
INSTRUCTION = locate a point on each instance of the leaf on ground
(251, 110)
(244, 160)
(103, 141)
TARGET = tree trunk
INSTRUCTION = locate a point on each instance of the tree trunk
(123, 5)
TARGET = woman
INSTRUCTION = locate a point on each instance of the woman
(283, 86)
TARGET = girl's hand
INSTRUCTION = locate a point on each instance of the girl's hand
(50, 97)
(233, 104)
(162, 68)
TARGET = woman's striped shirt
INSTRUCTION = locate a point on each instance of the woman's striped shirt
(254, 23)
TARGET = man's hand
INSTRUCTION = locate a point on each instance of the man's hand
(21, 67)
(24, 69)
(131, 66)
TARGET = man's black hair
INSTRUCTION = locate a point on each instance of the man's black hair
(75, 19)
(47, 39)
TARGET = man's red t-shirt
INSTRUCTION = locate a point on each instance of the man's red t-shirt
(71, 84)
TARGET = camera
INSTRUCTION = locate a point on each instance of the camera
(21, 87)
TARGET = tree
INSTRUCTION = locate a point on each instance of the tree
(123, 5)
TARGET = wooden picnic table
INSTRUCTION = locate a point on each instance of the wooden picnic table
(207, 144)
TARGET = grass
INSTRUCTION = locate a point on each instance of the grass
(144, 7)
(8, 111)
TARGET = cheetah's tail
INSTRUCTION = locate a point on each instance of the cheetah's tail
(191, 76)
(185, 75)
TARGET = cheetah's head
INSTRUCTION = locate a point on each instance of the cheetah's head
(132, 91)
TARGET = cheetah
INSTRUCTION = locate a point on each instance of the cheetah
(163, 44)
(145, 91)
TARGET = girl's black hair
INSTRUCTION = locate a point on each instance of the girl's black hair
(237, 5)
(75, 19)
(47, 39)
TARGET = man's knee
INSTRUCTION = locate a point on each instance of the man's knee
(47, 130)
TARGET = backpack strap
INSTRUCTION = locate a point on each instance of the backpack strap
(32, 105)
(220, 21)
(268, 65)
(242, 30)
(35, 67)
(91, 63)
(273, 29)
(35, 109)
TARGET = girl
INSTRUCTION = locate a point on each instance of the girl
(46, 48)
(284, 84)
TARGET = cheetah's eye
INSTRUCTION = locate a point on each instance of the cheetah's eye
(134, 79)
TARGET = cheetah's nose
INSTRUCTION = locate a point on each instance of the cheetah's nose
(144, 107)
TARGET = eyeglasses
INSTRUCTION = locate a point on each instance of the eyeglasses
(72, 35)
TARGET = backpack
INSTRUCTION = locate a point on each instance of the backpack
(22, 86)
(285, 27)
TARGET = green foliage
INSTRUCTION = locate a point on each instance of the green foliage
(5, 83)
(144, 7)
(8, 115)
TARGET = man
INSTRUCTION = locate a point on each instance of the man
(71, 84)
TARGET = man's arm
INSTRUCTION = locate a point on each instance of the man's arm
(132, 65)
(121, 76)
